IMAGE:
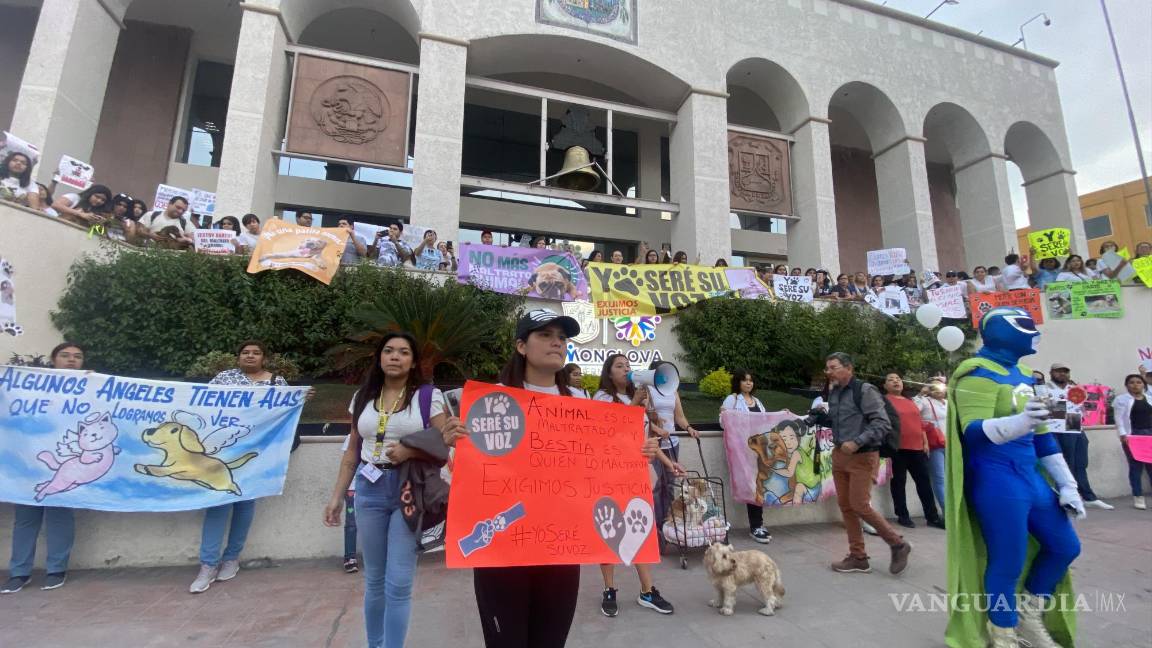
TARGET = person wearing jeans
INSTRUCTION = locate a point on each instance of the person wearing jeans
(1133, 415)
(390, 555)
(934, 412)
(1069, 434)
(350, 564)
(59, 523)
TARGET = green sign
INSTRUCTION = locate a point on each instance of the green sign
(1083, 299)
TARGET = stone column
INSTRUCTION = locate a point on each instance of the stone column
(813, 240)
(1052, 202)
(699, 161)
(439, 135)
(256, 109)
(62, 92)
(985, 206)
(905, 204)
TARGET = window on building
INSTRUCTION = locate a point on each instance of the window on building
(203, 142)
(1097, 227)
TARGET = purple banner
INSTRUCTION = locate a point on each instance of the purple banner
(530, 272)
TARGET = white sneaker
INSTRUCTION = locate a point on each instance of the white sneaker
(1138, 502)
(868, 528)
(1100, 504)
(228, 570)
(204, 579)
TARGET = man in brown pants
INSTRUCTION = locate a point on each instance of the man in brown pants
(858, 432)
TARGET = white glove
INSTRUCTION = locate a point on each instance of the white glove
(1065, 484)
(1007, 428)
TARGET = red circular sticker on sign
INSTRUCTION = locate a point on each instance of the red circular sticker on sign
(1077, 395)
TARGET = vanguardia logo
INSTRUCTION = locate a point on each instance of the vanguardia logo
(1097, 601)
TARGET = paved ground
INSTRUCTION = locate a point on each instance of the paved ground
(316, 604)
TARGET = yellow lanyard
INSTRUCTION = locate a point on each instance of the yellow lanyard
(378, 448)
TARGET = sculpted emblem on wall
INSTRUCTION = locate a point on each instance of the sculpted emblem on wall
(350, 109)
(758, 174)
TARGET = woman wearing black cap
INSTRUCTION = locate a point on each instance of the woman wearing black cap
(531, 607)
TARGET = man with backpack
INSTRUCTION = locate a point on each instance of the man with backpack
(169, 227)
(860, 423)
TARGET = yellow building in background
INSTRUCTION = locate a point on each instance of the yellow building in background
(1119, 213)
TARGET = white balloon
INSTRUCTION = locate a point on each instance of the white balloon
(929, 315)
(950, 338)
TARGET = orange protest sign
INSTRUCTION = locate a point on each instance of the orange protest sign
(546, 480)
(980, 303)
(315, 251)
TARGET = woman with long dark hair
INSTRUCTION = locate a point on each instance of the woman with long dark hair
(231, 224)
(89, 207)
(743, 399)
(393, 402)
(16, 180)
(530, 607)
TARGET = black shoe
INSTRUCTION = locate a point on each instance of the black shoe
(937, 523)
(761, 535)
(906, 522)
(53, 581)
(654, 601)
(351, 566)
(14, 584)
(608, 606)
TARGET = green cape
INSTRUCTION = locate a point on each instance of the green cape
(967, 556)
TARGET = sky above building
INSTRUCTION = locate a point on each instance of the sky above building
(1099, 135)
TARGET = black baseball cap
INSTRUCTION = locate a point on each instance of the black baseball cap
(539, 318)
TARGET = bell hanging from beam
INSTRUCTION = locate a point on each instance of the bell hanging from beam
(577, 173)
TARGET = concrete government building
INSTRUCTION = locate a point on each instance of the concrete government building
(805, 130)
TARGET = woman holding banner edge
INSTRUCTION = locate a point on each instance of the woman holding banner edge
(669, 413)
(530, 607)
(743, 399)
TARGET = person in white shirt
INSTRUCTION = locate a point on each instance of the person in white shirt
(1075, 270)
(16, 180)
(155, 224)
(1065, 424)
(933, 404)
(251, 235)
(981, 282)
(742, 399)
(1014, 276)
(1133, 415)
(89, 207)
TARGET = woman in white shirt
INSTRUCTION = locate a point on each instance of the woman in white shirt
(982, 282)
(1075, 270)
(668, 415)
(387, 407)
(933, 404)
(743, 400)
(1132, 412)
(248, 239)
(16, 180)
(616, 388)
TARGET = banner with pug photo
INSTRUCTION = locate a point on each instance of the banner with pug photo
(315, 251)
(530, 272)
(79, 439)
(776, 459)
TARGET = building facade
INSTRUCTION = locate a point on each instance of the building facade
(1119, 213)
(887, 130)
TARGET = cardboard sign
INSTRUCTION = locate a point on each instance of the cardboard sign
(203, 202)
(891, 301)
(314, 251)
(74, 173)
(214, 241)
(1051, 243)
(543, 274)
(657, 289)
(1114, 261)
(797, 289)
(548, 480)
(165, 194)
(950, 300)
(980, 303)
(1084, 299)
(892, 261)
(1143, 268)
(1145, 358)
(10, 143)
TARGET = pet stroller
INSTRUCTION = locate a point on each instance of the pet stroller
(697, 516)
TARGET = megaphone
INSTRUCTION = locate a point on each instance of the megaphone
(663, 377)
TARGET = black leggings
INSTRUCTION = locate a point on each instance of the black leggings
(912, 462)
(526, 607)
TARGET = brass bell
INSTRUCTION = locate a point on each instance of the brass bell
(577, 173)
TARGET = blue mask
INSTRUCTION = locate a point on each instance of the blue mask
(1009, 334)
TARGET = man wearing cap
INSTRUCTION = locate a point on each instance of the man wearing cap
(1065, 422)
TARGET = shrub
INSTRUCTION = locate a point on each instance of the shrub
(717, 384)
(213, 362)
(590, 383)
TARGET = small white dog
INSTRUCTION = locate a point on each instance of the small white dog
(728, 569)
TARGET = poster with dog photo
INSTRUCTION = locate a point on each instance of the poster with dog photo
(8, 300)
(531, 272)
(315, 251)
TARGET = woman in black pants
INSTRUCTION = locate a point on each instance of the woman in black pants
(531, 607)
(742, 399)
(912, 458)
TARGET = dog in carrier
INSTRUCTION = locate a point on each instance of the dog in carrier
(728, 569)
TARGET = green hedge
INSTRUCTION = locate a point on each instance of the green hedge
(155, 313)
(784, 344)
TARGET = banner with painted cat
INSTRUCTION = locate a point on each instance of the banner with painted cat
(80, 439)
(776, 459)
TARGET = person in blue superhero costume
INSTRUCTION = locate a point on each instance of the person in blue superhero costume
(998, 498)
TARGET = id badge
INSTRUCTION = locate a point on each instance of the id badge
(371, 472)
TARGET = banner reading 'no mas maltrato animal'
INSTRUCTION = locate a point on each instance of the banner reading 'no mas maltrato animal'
(79, 439)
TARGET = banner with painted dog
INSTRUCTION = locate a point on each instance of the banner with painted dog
(80, 439)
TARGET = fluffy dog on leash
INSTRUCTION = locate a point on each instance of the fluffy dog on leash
(728, 569)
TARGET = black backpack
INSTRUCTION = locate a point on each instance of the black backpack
(891, 442)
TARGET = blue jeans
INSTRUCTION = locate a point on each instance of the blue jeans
(349, 524)
(936, 471)
(215, 519)
(1136, 469)
(389, 549)
(26, 527)
(1074, 447)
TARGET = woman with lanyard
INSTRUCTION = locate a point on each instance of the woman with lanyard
(1133, 415)
(250, 371)
(742, 399)
(616, 388)
(393, 402)
(1075, 270)
(933, 404)
(531, 607)
(669, 414)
